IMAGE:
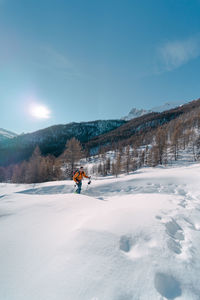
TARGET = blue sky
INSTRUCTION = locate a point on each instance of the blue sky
(87, 60)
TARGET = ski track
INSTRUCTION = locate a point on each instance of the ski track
(179, 224)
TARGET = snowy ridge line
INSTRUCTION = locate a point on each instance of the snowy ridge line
(6, 135)
(135, 113)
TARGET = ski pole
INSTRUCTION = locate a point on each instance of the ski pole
(74, 188)
(89, 182)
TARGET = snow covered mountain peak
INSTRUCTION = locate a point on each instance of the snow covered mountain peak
(6, 134)
(166, 106)
(135, 113)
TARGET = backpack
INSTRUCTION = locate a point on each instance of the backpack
(76, 171)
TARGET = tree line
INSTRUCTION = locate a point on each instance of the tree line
(40, 168)
(159, 146)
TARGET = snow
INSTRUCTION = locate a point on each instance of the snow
(5, 134)
(135, 113)
(133, 237)
(167, 106)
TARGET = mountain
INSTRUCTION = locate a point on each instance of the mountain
(92, 135)
(5, 134)
(167, 106)
(136, 128)
(52, 140)
(135, 113)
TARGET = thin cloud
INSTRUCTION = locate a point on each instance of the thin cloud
(56, 59)
(41, 57)
(48, 58)
(177, 53)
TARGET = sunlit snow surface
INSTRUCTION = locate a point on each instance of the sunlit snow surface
(136, 237)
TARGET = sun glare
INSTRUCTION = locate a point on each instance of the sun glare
(40, 111)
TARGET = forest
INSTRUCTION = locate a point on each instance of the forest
(157, 144)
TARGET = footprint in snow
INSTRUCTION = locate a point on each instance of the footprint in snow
(192, 226)
(125, 243)
(174, 246)
(181, 192)
(167, 285)
(136, 246)
(176, 235)
(174, 230)
(101, 198)
(183, 204)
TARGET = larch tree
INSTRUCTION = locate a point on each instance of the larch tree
(175, 139)
(118, 164)
(127, 163)
(33, 172)
(160, 140)
(108, 165)
(72, 154)
(2, 174)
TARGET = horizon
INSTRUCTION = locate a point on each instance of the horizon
(78, 62)
(89, 121)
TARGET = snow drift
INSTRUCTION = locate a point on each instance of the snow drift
(135, 237)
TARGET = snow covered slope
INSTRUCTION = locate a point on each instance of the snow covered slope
(52, 140)
(135, 237)
(167, 106)
(5, 134)
(135, 113)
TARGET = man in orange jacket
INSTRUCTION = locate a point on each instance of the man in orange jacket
(78, 177)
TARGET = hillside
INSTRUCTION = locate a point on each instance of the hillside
(136, 113)
(5, 135)
(138, 127)
(135, 237)
(107, 134)
(52, 140)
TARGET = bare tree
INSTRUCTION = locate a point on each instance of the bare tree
(33, 169)
(160, 140)
(100, 169)
(108, 165)
(146, 155)
(117, 165)
(72, 154)
(2, 174)
(175, 137)
(127, 163)
(141, 158)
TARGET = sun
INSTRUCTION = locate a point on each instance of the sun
(39, 111)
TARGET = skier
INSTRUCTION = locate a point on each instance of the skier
(78, 177)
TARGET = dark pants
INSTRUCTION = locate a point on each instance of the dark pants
(79, 185)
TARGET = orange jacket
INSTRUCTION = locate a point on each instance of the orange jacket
(78, 176)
